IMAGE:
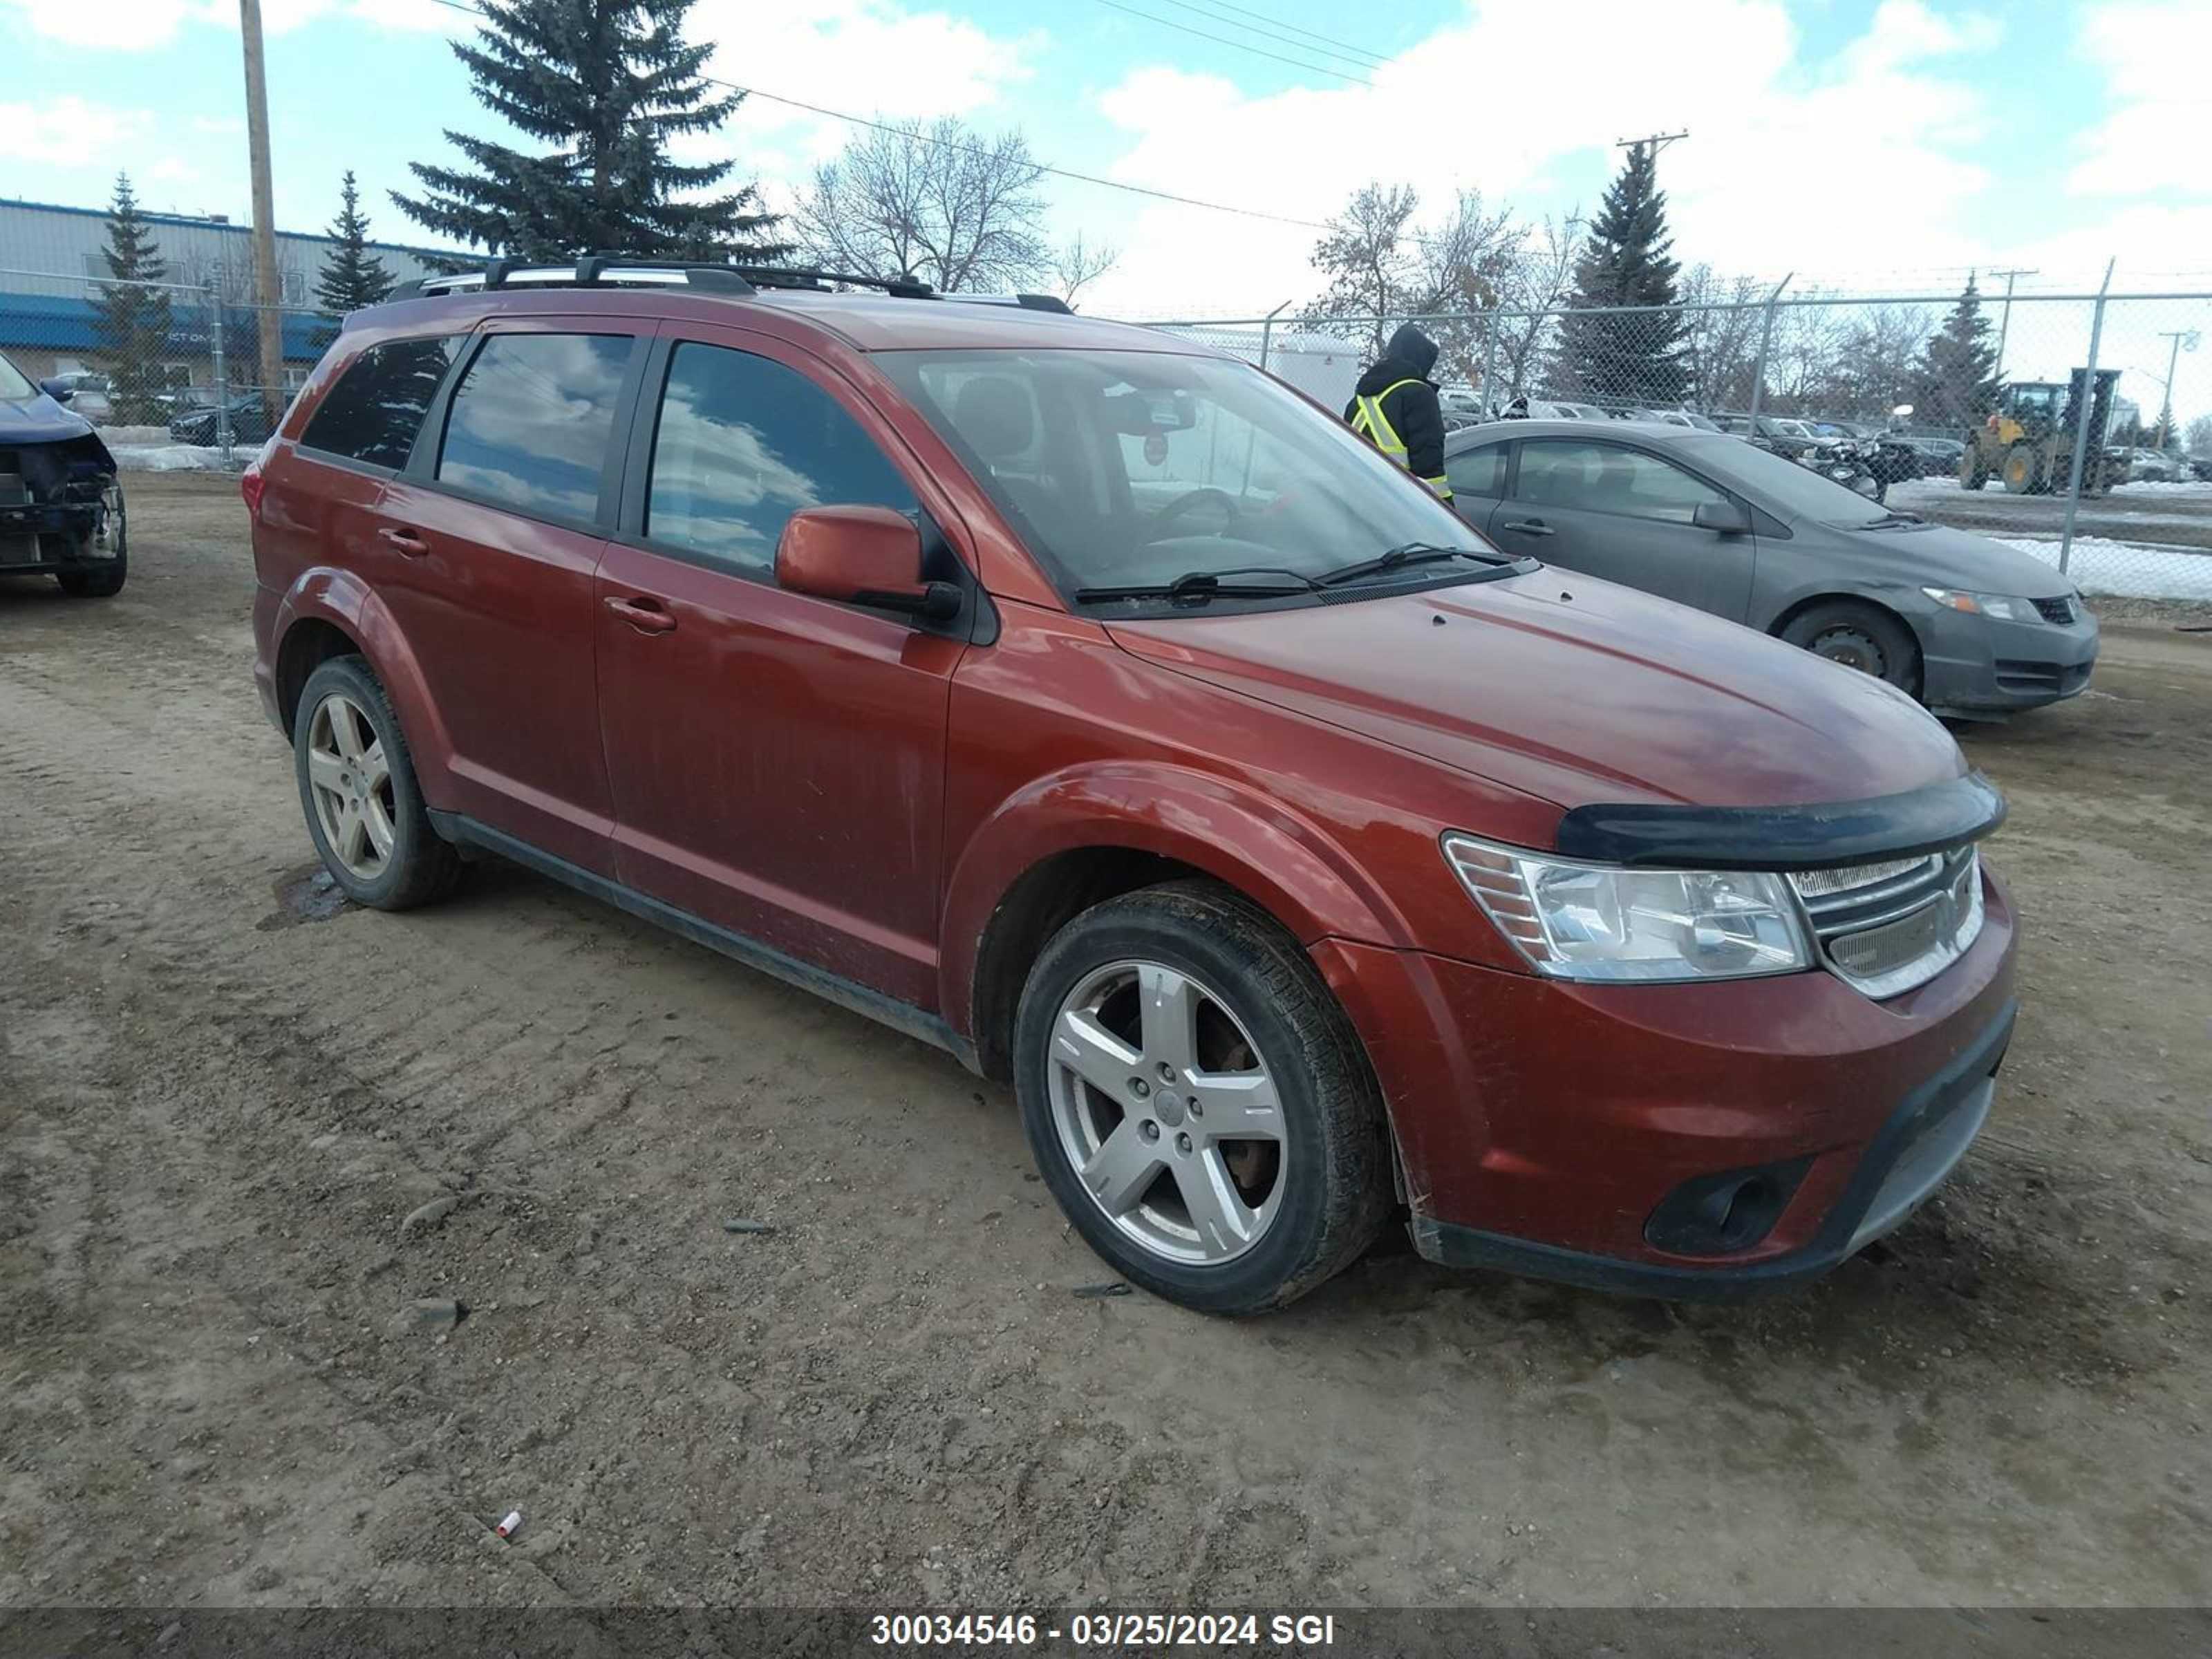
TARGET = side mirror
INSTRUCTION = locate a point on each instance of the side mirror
(57, 389)
(1726, 518)
(862, 556)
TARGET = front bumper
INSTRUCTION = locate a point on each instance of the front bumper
(1978, 664)
(1542, 1124)
(29, 531)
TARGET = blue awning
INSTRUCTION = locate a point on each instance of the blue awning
(60, 322)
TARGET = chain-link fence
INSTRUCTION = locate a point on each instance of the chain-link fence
(2077, 428)
(170, 373)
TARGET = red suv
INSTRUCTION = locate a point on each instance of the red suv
(1095, 706)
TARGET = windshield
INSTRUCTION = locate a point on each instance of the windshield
(1124, 469)
(1781, 487)
(1793, 429)
(13, 385)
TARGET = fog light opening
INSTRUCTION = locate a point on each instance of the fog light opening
(1722, 1214)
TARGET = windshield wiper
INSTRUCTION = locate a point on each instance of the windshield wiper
(1405, 554)
(1892, 520)
(1198, 586)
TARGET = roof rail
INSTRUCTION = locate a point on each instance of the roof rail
(1051, 302)
(614, 269)
(593, 270)
(899, 288)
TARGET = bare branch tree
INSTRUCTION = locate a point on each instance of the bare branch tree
(1536, 283)
(1463, 266)
(1079, 264)
(932, 200)
(1367, 259)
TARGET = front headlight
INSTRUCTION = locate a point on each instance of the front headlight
(1983, 604)
(1590, 921)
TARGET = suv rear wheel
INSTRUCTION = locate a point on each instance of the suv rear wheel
(357, 785)
(1198, 1101)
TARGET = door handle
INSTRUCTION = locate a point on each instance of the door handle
(643, 615)
(1530, 527)
(406, 541)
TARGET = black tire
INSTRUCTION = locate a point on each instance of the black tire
(104, 578)
(1334, 1160)
(1861, 637)
(419, 867)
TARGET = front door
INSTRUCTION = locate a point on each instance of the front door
(1612, 510)
(777, 760)
(493, 533)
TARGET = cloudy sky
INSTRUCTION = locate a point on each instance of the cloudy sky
(1875, 145)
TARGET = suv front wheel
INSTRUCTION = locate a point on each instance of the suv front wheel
(1199, 1103)
(357, 785)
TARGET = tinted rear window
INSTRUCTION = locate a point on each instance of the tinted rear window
(531, 420)
(373, 412)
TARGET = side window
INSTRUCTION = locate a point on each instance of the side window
(1600, 478)
(1478, 472)
(373, 412)
(743, 443)
(531, 420)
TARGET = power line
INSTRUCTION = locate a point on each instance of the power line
(1272, 31)
(1225, 40)
(975, 149)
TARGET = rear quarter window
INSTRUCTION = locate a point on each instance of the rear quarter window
(531, 420)
(373, 413)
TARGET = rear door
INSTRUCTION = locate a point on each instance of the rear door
(493, 532)
(777, 759)
(1613, 510)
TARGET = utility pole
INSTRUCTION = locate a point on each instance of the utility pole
(1658, 141)
(2004, 324)
(266, 293)
(2181, 337)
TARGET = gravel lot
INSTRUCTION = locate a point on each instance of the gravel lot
(222, 1103)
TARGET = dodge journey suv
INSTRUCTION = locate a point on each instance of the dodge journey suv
(1096, 707)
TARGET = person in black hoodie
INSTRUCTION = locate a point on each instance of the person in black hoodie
(1395, 407)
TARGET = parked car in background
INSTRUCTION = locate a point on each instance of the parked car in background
(1548, 408)
(2200, 467)
(85, 393)
(249, 423)
(1937, 457)
(61, 503)
(1092, 705)
(1965, 624)
(1669, 417)
(1787, 438)
(2152, 466)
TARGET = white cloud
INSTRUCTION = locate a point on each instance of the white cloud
(1874, 152)
(867, 58)
(69, 131)
(2154, 58)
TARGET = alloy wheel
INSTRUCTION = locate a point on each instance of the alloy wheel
(350, 781)
(1167, 1112)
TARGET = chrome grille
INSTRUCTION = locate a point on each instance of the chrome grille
(1887, 927)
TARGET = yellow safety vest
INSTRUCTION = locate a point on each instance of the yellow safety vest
(1372, 423)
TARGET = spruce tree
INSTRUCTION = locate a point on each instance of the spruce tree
(131, 324)
(351, 276)
(1632, 355)
(604, 84)
(1957, 381)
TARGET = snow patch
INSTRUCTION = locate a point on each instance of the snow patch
(2136, 570)
(168, 458)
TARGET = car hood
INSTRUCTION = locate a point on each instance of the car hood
(1573, 690)
(39, 420)
(1936, 555)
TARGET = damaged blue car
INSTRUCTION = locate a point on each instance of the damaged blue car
(61, 504)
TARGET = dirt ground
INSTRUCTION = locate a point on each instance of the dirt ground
(220, 1102)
